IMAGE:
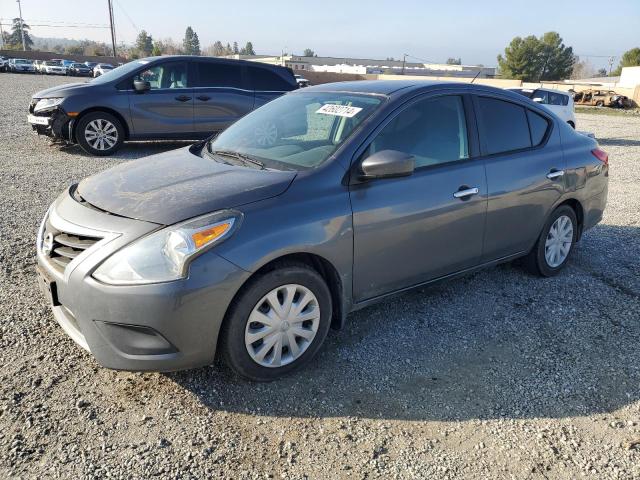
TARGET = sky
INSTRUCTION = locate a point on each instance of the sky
(474, 30)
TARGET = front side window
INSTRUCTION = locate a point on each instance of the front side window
(504, 125)
(297, 131)
(165, 75)
(434, 131)
(219, 75)
(541, 96)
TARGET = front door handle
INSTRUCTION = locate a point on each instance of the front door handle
(553, 174)
(183, 98)
(204, 98)
(465, 193)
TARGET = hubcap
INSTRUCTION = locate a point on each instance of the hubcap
(101, 134)
(559, 240)
(266, 134)
(282, 325)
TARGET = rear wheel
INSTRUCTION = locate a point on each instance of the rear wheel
(555, 243)
(599, 103)
(99, 133)
(277, 323)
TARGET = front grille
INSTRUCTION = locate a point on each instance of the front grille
(60, 248)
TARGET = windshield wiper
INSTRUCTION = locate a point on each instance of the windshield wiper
(244, 158)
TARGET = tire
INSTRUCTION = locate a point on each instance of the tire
(252, 304)
(599, 103)
(100, 123)
(540, 260)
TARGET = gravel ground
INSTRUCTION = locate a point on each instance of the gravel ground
(496, 375)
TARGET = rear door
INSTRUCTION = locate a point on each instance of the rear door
(166, 110)
(413, 229)
(525, 173)
(222, 95)
(269, 84)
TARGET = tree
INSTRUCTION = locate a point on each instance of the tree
(247, 49)
(157, 49)
(308, 53)
(144, 44)
(602, 72)
(236, 50)
(228, 50)
(534, 59)
(74, 50)
(13, 40)
(454, 61)
(218, 48)
(191, 42)
(630, 58)
(582, 69)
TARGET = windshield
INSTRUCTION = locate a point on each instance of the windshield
(119, 72)
(298, 131)
(22, 61)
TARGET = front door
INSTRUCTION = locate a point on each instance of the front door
(413, 229)
(166, 110)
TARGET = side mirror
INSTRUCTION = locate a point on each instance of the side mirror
(387, 164)
(141, 86)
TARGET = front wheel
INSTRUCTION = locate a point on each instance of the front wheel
(555, 243)
(99, 133)
(277, 323)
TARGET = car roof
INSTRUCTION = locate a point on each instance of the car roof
(403, 87)
(214, 60)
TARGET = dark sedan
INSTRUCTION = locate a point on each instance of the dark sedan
(253, 249)
(79, 70)
(170, 97)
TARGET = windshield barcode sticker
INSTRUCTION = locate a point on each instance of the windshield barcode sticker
(339, 110)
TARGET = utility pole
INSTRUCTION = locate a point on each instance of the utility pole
(1, 35)
(610, 64)
(24, 47)
(113, 29)
(404, 60)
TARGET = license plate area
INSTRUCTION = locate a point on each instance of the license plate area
(48, 288)
(38, 120)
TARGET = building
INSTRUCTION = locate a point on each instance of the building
(363, 66)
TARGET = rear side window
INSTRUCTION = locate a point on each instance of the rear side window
(218, 75)
(264, 79)
(540, 96)
(539, 126)
(504, 125)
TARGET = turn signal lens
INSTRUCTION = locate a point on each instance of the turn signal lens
(601, 155)
(203, 237)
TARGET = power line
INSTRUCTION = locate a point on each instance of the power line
(56, 26)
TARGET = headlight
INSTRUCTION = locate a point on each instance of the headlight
(47, 103)
(165, 255)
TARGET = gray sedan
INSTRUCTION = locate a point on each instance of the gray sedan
(251, 245)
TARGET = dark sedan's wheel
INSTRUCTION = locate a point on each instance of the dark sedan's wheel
(99, 133)
(277, 323)
(555, 244)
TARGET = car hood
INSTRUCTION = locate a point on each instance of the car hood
(178, 185)
(61, 90)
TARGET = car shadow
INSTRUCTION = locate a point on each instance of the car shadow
(131, 150)
(498, 343)
(619, 142)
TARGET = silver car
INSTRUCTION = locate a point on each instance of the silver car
(251, 245)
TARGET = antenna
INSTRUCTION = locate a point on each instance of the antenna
(477, 75)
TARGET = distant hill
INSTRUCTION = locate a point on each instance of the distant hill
(47, 43)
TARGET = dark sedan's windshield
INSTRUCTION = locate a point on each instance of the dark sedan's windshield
(296, 131)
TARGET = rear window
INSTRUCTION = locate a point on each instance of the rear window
(558, 99)
(218, 75)
(264, 79)
(538, 126)
(504, 125)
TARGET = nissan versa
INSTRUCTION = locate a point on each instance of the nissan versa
(251, 252)
(169, 97)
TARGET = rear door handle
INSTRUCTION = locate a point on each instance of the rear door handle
(553, 174)
(183, 98)
(204, 98)
(466, 192)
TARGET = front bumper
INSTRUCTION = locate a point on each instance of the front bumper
(54, 123)
(157, 327)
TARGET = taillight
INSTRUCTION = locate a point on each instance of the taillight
(601, 155)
